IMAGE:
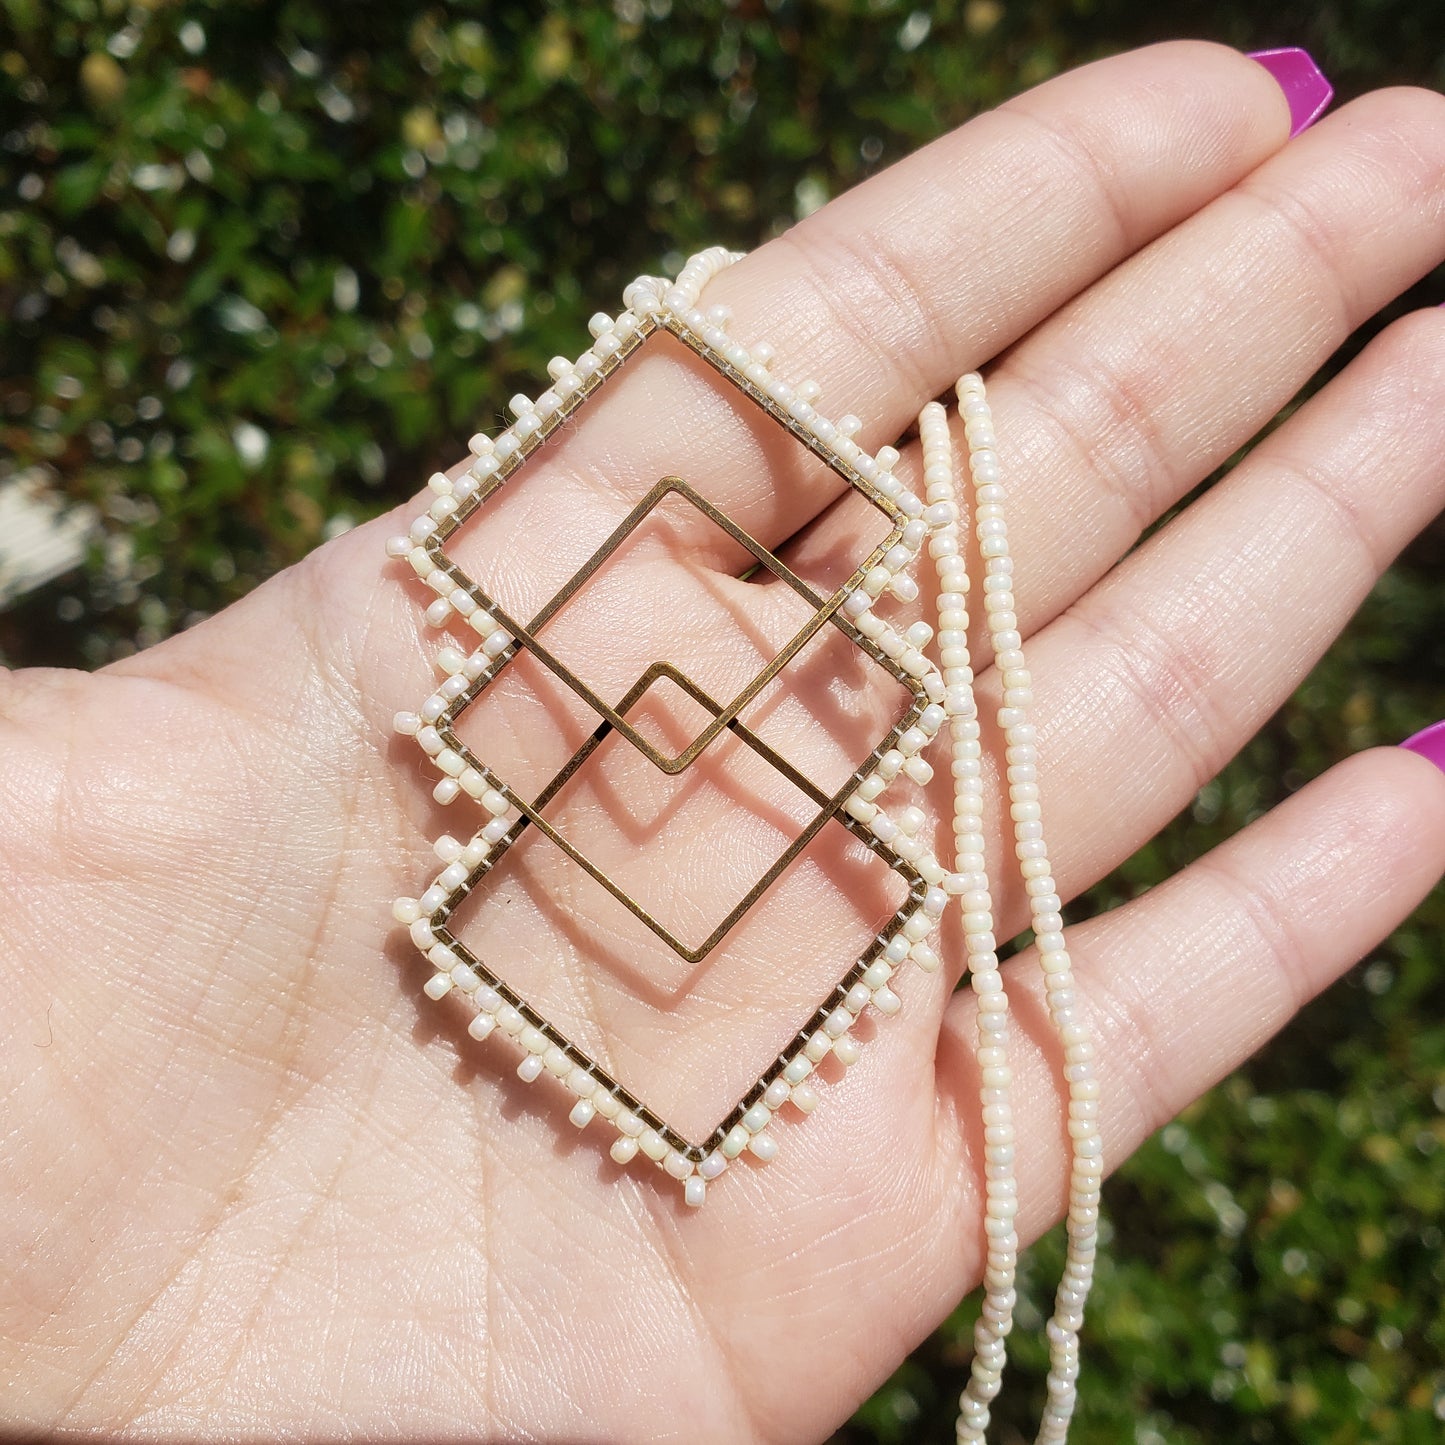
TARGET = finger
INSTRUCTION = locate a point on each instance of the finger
(1156, 375)
(1186, 982)
(1190, 645)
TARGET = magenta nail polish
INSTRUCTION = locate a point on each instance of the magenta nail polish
(1302, 81)
(1429, 743)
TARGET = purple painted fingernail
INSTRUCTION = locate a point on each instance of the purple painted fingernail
(1429, 744)
(1302, 81)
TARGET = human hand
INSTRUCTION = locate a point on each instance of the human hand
(254, 1189)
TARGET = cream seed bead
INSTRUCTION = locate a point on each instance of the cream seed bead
(764, 1146)
(917, 926)
(932, 871)
(903, 587)
(919, 770)
(450, 762)
(911, 740)
(756, 1118)
(961, 708)
(926, 958)
(734, 1142)
(714, 1165)
(877, 974)
(1020, 755)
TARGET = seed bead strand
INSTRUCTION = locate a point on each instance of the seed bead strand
(697, 271)
(1021, 756)
(970, 882)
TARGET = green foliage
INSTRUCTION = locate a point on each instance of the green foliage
(264, 263)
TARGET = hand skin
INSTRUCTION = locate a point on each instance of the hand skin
(255, 1186)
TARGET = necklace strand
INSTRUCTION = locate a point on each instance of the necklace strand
(995, 1076)
(991, 1046)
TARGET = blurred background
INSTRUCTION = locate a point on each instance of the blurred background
(266, 263)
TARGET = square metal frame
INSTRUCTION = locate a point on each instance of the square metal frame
(525, 636)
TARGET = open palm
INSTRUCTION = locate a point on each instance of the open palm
(252, 1182)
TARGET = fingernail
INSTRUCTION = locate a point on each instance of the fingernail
(1302, 81)
(1429, 744)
